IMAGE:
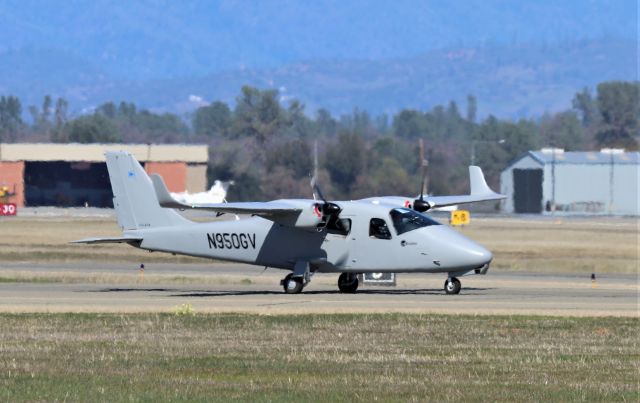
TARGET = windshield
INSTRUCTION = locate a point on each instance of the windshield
(405, 220)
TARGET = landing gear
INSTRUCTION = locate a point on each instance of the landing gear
(452, 286)
(292, 285)
(348, 283)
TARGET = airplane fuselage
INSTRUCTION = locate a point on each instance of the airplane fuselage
(255, 240)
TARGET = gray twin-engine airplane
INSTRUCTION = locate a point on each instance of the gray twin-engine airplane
(379, 234)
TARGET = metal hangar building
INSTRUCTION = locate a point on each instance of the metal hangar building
(552, 180)
(70, 175)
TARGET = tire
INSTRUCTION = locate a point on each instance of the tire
(452, 286)
(348, 283)
(292, 285)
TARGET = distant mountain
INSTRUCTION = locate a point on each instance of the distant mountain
(156, 39)
(518, 58)
(508, 81)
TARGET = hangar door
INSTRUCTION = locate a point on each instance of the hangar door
(67, 184)
(527, 190)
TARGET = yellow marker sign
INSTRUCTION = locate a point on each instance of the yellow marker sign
(460, 217)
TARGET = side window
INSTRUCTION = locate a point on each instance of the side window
(339, 226)
(378, 229)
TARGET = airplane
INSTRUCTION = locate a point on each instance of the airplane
(304, 237)
(217, 194)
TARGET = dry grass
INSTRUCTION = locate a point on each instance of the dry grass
(45, 357)
(605, 245)
(47, 240)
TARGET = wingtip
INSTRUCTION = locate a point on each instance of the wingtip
(163, 195)
(477, 181)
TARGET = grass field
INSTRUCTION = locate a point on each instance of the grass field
(82, 357)
(605, 245)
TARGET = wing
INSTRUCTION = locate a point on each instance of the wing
(272, 208)
(480, 191)
(294, 213)
(129, 240)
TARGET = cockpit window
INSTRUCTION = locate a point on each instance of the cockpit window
(339, 226)
(405, 220)
(378, 229)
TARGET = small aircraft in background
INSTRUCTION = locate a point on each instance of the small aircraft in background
(217, 194)
(302, 236)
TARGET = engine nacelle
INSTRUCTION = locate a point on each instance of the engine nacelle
(310, 217)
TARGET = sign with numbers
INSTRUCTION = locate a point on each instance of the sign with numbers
(460, 217)
(8, 209)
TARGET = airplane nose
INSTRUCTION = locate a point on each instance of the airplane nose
(474, 253)
(484, 256)
(461, 251)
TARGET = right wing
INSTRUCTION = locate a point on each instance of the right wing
(479, 191)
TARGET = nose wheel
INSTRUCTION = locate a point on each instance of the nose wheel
(452, 286)
(348, 283)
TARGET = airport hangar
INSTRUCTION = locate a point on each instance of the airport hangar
(70, 175)
(552, 180)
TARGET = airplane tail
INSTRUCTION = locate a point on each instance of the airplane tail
(134, 198)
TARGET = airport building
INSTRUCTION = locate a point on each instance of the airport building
(69, 175)
(552, 180)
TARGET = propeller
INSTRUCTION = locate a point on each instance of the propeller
(419, 204)
(326, 208)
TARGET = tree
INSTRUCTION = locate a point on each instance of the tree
(619, 106)
(410, 124)
(298, 124)
(326, 123)
(94, 128)
(213, 120)
(563, 130)
(58, 134)
(108, 109)
(10, 117)
(258, 114)
(345, 160)
(472, 108)
(586, 106)
(294, 155)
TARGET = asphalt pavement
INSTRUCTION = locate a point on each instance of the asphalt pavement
(227, 287)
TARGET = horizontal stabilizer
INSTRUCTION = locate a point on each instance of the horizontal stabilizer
(120, 239)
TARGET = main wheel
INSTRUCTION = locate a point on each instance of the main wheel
(348, 283)
(452, 286)
(292, 285)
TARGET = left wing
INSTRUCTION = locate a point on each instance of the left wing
(295, 213)
(480, 191)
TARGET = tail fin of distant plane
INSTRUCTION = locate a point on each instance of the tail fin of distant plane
(134, 198)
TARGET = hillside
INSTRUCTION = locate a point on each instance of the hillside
(509, 81)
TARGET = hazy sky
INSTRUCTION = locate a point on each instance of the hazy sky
(154, 39)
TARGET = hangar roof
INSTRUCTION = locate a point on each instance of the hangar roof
(586, 157)
(546, 156)
(95, 152)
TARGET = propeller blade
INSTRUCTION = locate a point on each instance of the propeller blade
(419, 204)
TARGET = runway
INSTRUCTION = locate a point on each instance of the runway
(105, 287)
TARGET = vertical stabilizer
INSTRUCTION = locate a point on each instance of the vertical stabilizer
(134, 198)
